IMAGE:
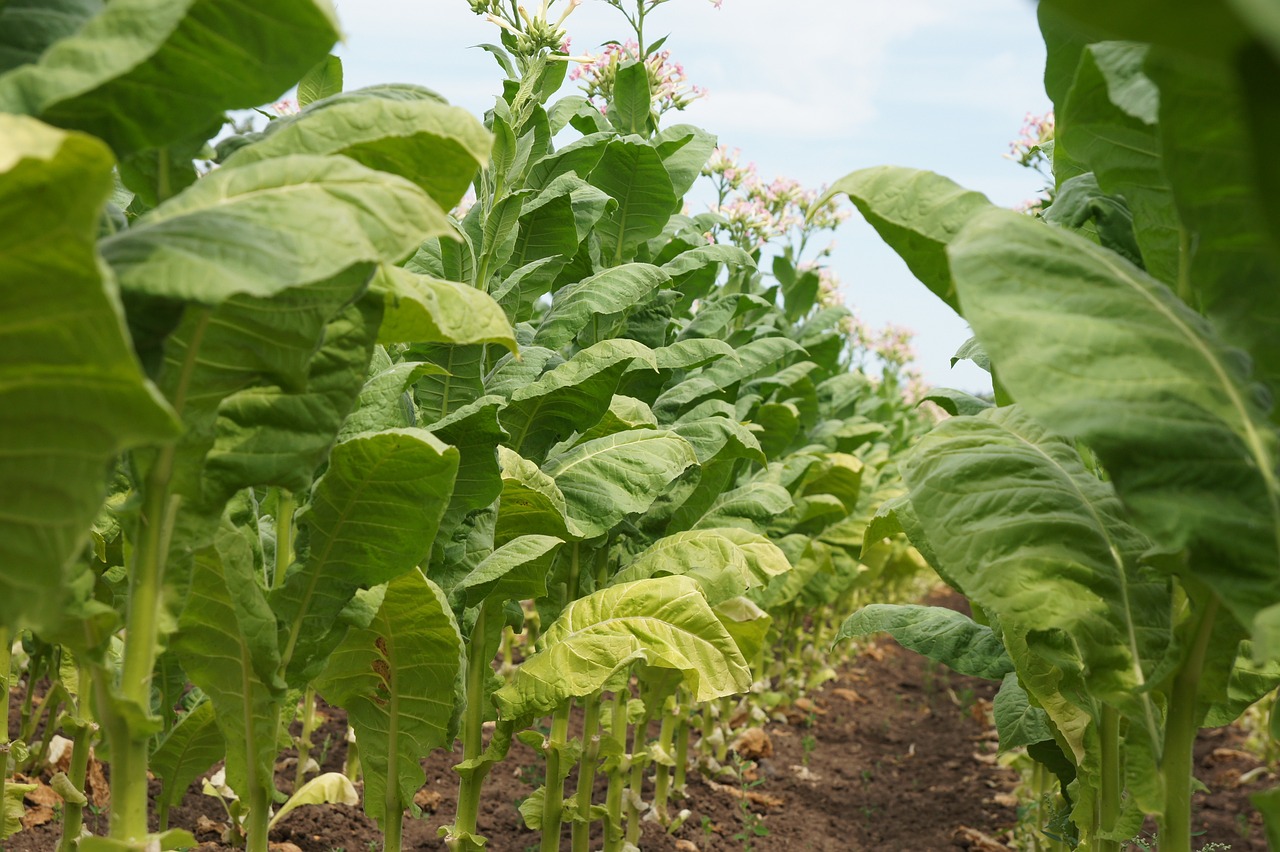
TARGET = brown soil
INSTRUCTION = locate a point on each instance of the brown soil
(901, 759)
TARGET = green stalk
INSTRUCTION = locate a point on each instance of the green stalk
(285, 505)
(6, 664)
(726, 722)
(1112, 781)
(617, 775)
(1180, 739)
(256, 823)
(142, 631)
(639, 741)
(682, 749)
(662, 779)
(473, 728)
(553, 793)
(73, 812)
(392, 831)
(587, 773)
(304, 738)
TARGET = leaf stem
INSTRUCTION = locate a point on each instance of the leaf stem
(553, 793)
(617, 773)
(472, 779)
(285, 505)
(1180, 738)
(1112, 780)
(587, 773)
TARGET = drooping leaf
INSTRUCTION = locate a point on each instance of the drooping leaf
(943, 635)
(383, 402)
(1018, 722)
(531, 502)
(1056, 561)
(372, 517)
(190, 749)
(474, 431)
(917, 213)
(128, 76)
(72, 393)
(663, 622)
(396, 680)
(283, 223)
(572, 396)
(419, 309)
(435, 146)
(609, 292)
(1193, 418)
(515, 571)
(605, 480)
(227, 644)
(633, 174)
(329, 788)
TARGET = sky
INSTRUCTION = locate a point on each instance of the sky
(807, 89)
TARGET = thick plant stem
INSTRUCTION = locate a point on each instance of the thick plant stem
(473, 728)
(6, 663)
(639, 742)
(587, 773)
(73, 812)
(255, 829)
(392, 829)
(1180, 739)
(553, 793)
(662, 778)
(142, 632)
(617, 776)
(1112, 780)
(682, 752)
(285, 504)
(304, 737)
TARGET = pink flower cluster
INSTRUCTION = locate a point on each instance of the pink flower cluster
(1037, 130)
(667, 79)
(757, 212)
(289, 106)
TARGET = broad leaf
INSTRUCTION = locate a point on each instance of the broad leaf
(190, 749)
(419, 309)
(663, 622)
(943, 635)
(281, 223)
(437, 147)
(1052, 308)
(396, 681)
(917, 213)
(145, 73)
(372, 517)
(324, 79)
(633, 174)
(612, 291)
(72, 394)
(610, 478)
(515, 571)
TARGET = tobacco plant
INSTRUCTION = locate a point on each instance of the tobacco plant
(1114, 520)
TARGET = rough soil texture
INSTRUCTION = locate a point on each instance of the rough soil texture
(902, 759)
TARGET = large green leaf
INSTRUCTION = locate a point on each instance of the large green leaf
(531, 502)
(28, 27)
(372, 517)
(632, 172)
(1097, 350)
(227, 644)
(1108, 125)
(191, 748)
(72, 394)
(474, 431)
(280, 223)
(263, 386)
(396, 680)
(663, 622)
(725, 563)
(384, 402)
(1215, 169)
(420, 309)
(572, 396)
(515, 571)
(609, 478)
(146, 73)
(435, 146)
(917, 213)
(612, 291)
(685, 149)
(943, 635)
(1040, 543)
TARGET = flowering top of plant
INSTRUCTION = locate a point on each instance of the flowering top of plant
(1029, 148)
(667, 80)
(529, 34)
